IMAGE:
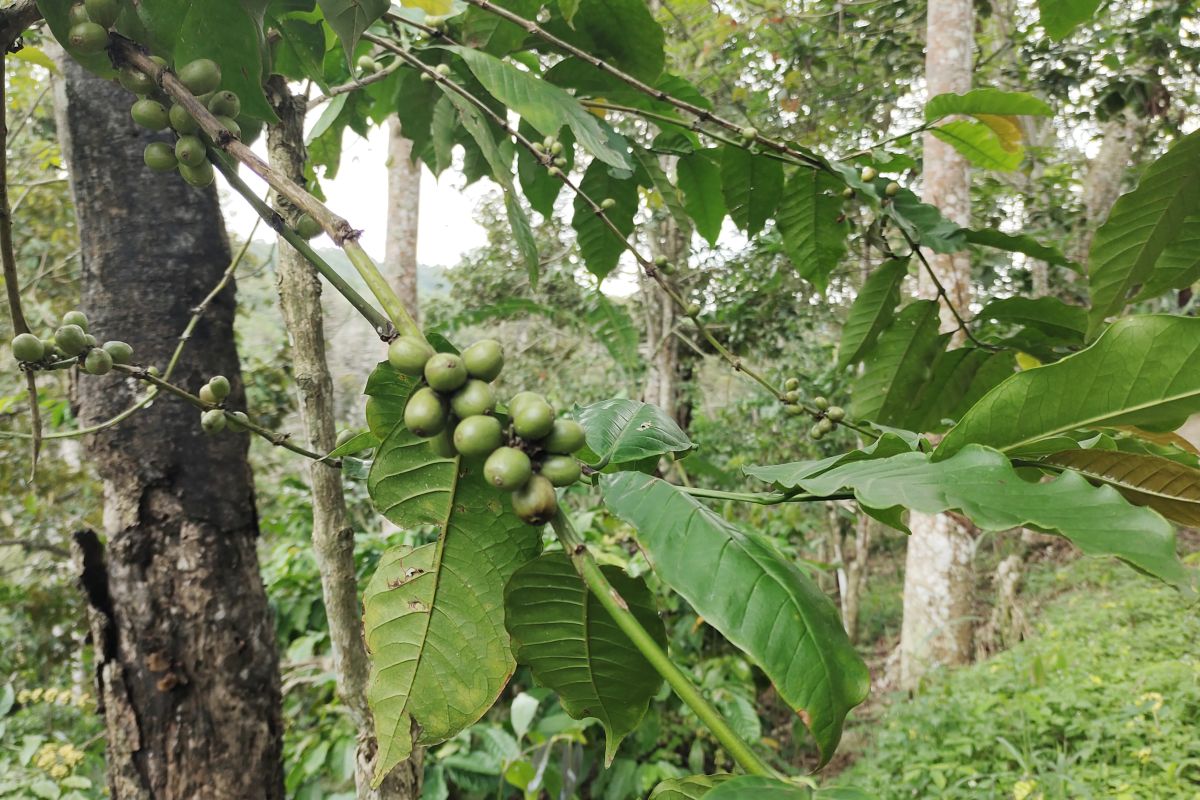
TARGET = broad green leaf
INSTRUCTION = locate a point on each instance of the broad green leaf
(363, 440)
(434, 615)
(1048, 314)
(36, 56)
(544, 106)
(899, 365)
(755, 787)
(55, 14)
(873, 310)
(1179, 265)
(979, 144)
(671, 197)
(925, 224)
(387, 392)
(793, 475)
(540, 187)
(1142, 371)
(1017, 243)
(627, 431)
(301, 50)
(599, 245)
(957, 380)
(813, 227)
(483, 30)
(1140, 227)
(622, 32)
(699, 180)
(760, 602)
(574, 647)
(1060, 17)
(981, 484)
(1170, 488)
(752, 186)
(986, 101)
(225, 32)
(692, 787)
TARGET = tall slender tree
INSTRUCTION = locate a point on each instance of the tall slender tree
(187, 672)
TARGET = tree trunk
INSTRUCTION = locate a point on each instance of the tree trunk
(937, 576)
(852, 570)
(332, 535)
(404, 214)
(186, 667)
(668, 366)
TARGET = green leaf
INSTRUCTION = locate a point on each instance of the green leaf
(692, 787)
(671, 197)
(925, 224)
(986, 101)
(540, 187)
(752, 186)
(811, 222)
(763, 604)
(350, 18)
(979, 144)
(1060, 17)
(1048, 314)
(700, 181)
(434, 615)
(1142, 371)
(574, 647)
(899, 365)
(627, 431)
(981, 484)
(622, 32)
(792, 475)
(387, 392)
(1170, 488)
(483, 30)
(1141, 225)
(600, 247)
(1179, 265)
(544, 106)
(873, 311)
(957, 380)
(363, 440)
(225, 32)
(55, 13)
(1017, 243)
(755, 787)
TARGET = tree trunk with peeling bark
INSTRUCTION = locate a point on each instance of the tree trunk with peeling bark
(187, 672)
(332, 534)
(937, 576)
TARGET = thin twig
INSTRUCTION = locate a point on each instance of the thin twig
(354, 84)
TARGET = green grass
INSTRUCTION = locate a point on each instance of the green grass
(1102, 702)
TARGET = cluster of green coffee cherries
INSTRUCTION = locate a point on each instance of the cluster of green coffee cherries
(71, 342)
(215, 420)
(455, 409)
(827, 416)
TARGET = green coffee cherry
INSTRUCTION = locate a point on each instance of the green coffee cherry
(561, 470)
(71, 340)
(791, 384)
(309, 228)
(824, 425)
(749, 134)
(207, 395)
(693, 310)
(27, 347)
(892, 189)
(408, 354)
(220, 387)
(120, 352)
(815, 433)
(77, 14)
(87, 37)
(520, 398)
(225, 104)
(150, 114)
(76, 318)
(213, 421)
(190, 151)
(182, 121)
(200, 176)
(160, 157)
(98, 362)
(425, 415)
(478, 436)
(474, 398)
(820, 403)
(90, 340)
(792, 397)
(847, 193)
(49, 347)
(793, 409)
(230, 124)
(135, 80)
(535, 502)
(607, 203)
(869, 173)
(103, 12)
(565, 437)
(533, 419)
(507, 469)
(484, 359)
(201, 76)
(835, 413)
(367, 65)
(445, 372)
(442, 69)
(237, 420)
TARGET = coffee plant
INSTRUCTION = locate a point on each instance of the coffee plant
(1032, 413)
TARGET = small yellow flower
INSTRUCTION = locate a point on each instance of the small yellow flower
(59, 771)
(1155, 699)
(1142, 755)
(65, 750)
(1096, 680)
(23, 697)
(1023, 789)
(35, 696)
(50, 695)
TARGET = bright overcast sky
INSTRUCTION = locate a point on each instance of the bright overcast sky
(448, 228)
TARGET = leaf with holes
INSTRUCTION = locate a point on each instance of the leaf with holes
(873, 311)
(759, 601)
(752, 186)
(573, 646)
(1170, 488)
(1142, 371)
(628, 431)
(1140, 227)
(434, 615)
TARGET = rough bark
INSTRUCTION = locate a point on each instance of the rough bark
(669, 367)
(332, 535)
(937, 577)
(1106, 174)
(187, 672)
(404, 213)
(852, 570)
